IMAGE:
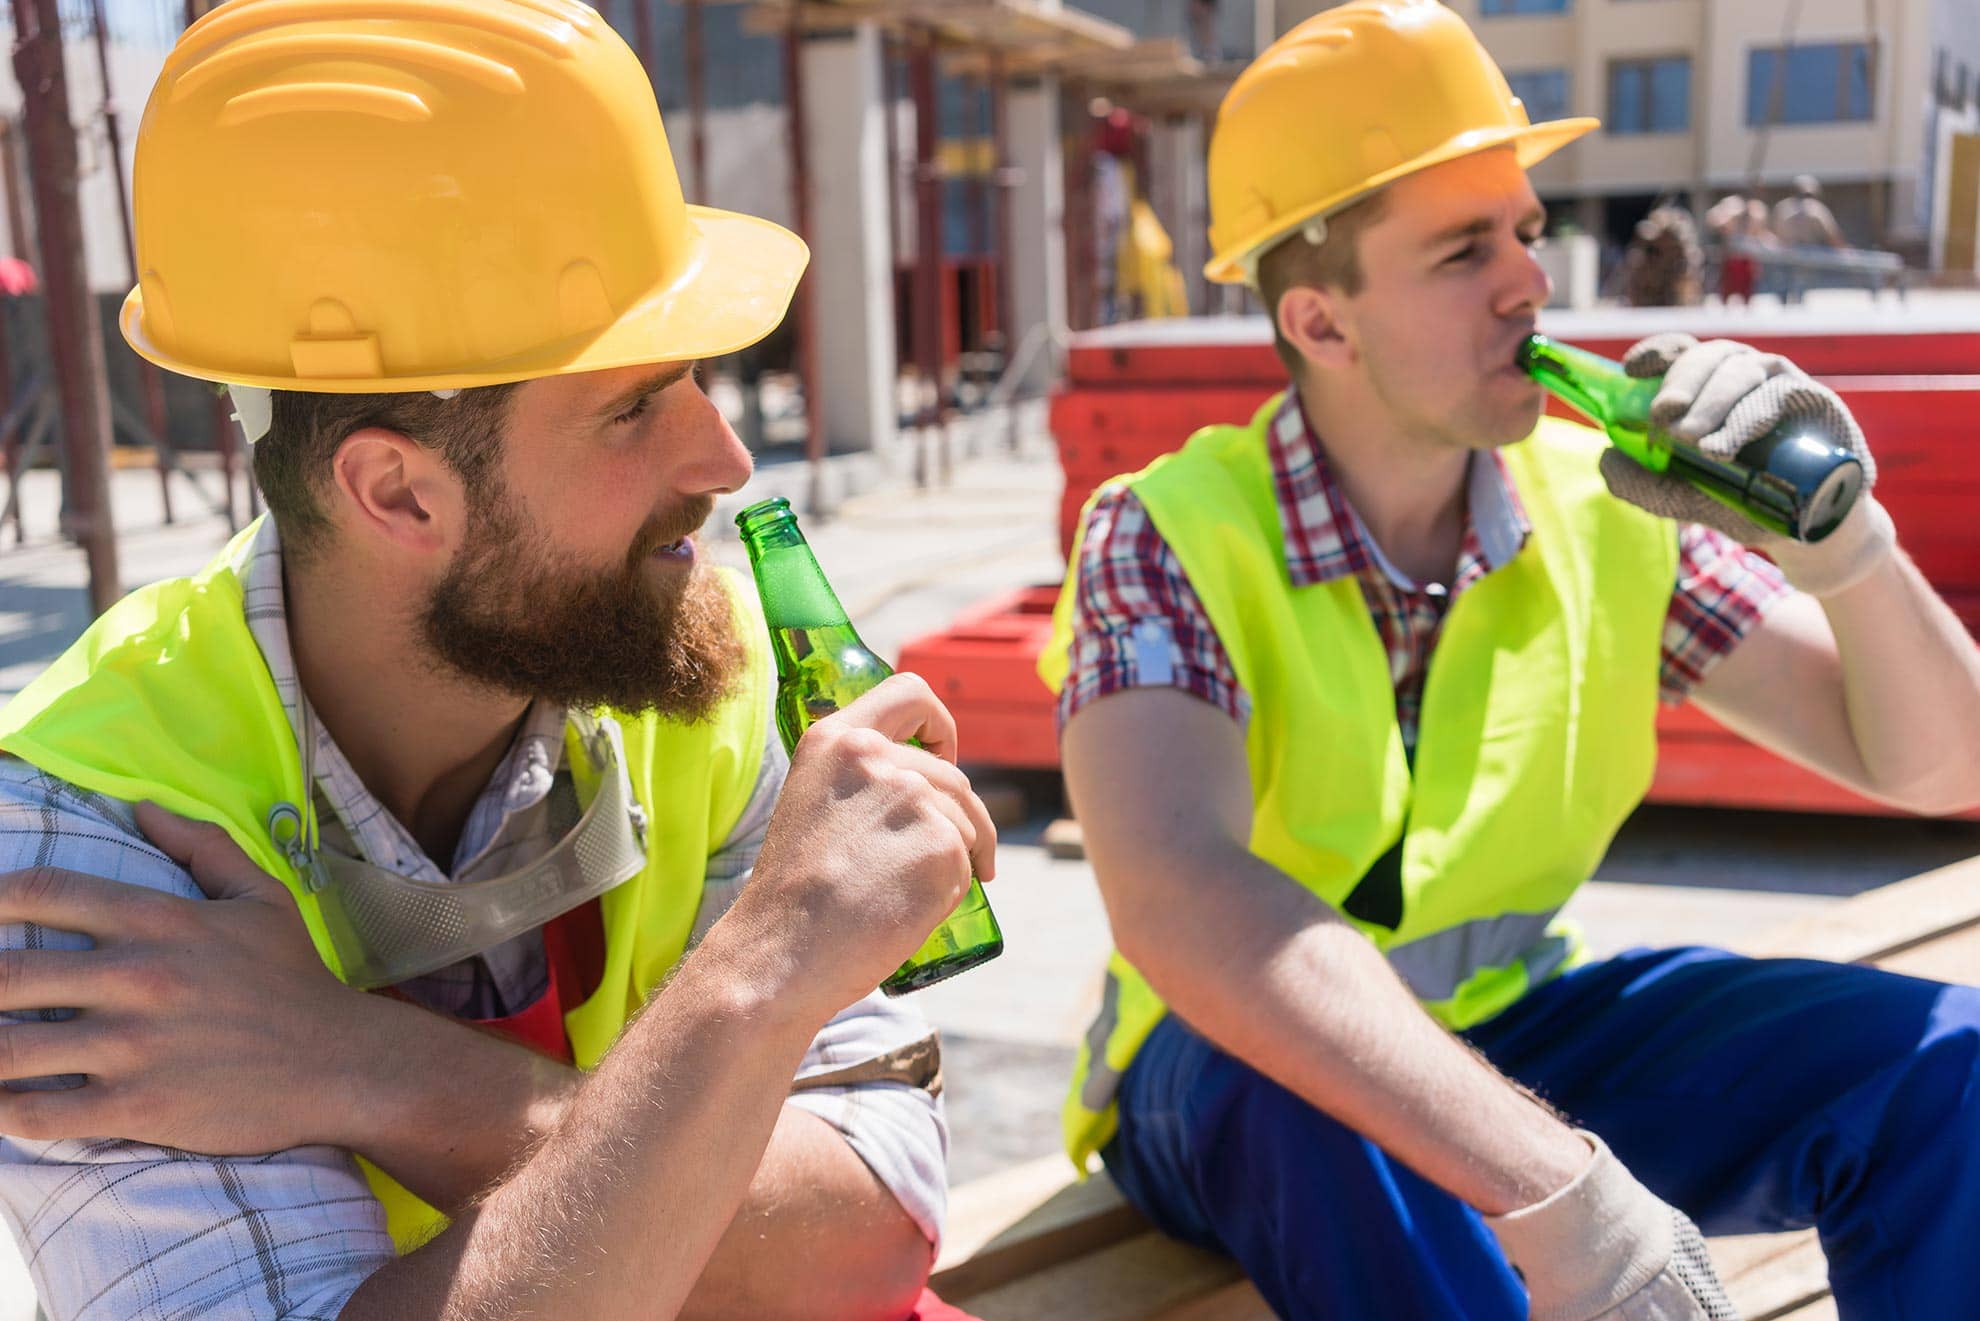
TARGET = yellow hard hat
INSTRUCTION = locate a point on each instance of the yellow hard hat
(360, 195)
(1349, 101)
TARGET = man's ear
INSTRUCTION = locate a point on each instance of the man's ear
(1309, 317)
(392, 487)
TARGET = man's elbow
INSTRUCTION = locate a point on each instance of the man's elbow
(1945, 793)
(877, 1278)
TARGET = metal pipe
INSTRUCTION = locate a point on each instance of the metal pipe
(697, 83)
(154, 387)
(10, 436)
(17, 221)
(74, 340)
(976, 205)
(1079, 218)
(1003, 225)
(890, 76)
(927, 250)
(643, 35)
(807, 310)
(219, 423)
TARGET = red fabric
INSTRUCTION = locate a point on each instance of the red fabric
(574, 947)
(930, 1308)
(17, 277)
(1736, 275)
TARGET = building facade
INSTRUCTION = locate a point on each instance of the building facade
(1699, 97)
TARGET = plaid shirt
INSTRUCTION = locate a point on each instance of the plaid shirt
(1138, 622)
(119, 1229)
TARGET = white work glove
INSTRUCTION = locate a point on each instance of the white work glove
(1721, 396)
(1604, 1248)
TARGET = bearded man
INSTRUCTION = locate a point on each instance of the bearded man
(466, 721)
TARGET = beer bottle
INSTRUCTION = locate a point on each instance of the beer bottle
(1793, 480)
(821, 666)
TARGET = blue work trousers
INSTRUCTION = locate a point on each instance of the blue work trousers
(1754, 1094)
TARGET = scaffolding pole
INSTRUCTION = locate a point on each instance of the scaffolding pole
(74, 337)
(697, 87)
(927, 258)
(890, 82)
(807, 311)
(643, 35)
(13, 439)
(1003, 226)
(154, 384)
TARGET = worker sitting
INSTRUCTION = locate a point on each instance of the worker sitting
(466, 719)
(1355, 695)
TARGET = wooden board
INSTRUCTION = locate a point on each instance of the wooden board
(1030, 1244)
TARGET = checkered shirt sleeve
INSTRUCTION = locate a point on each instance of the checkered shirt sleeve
(1137, 622)
(1723, 589)
(121, 1229)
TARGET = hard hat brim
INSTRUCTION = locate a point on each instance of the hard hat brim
(1532, 143)
(736, 291)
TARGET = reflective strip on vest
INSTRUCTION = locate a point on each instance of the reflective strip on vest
(1438, 965)
(1101, 1078)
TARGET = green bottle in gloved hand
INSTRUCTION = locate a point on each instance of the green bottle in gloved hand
(1793, 480)
(821, 666)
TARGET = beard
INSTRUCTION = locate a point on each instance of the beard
(514, 614)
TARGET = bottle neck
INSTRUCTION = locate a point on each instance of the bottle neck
(795, 594)
(1598, 387)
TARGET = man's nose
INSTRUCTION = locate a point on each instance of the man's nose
(713, 459)
(1528, 287)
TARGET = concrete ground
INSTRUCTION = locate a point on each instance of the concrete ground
(904, 561)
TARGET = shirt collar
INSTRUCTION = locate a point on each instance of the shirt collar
(1325, 538)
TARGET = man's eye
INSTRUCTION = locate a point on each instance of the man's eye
(1463, 254)
(632, 414)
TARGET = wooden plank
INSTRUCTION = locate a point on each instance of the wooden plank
(1144, 1277)
(1749, 1256)
(1784, 1285)
(1027, 1219)
(1949, 958)
(1234, 1302)
(1880, 924)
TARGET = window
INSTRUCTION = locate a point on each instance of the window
(1545, 92)
(1825, 84)
(1650, 96)
(1493, 8)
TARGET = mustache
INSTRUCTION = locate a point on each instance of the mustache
(671, 527)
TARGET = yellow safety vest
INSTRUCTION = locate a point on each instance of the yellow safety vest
(1537, 730)
(167, 698)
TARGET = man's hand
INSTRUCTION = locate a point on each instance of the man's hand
(1604, 1248)
(181, 1002)
(1721, 396)
(872, 843)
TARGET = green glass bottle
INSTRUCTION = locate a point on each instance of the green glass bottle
(1793, 480)
(821, 666)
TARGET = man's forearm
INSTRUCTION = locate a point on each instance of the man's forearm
(1911, 683)
(1272, 975)
(619, 1212)
(444, 1108)
(1262, 967)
